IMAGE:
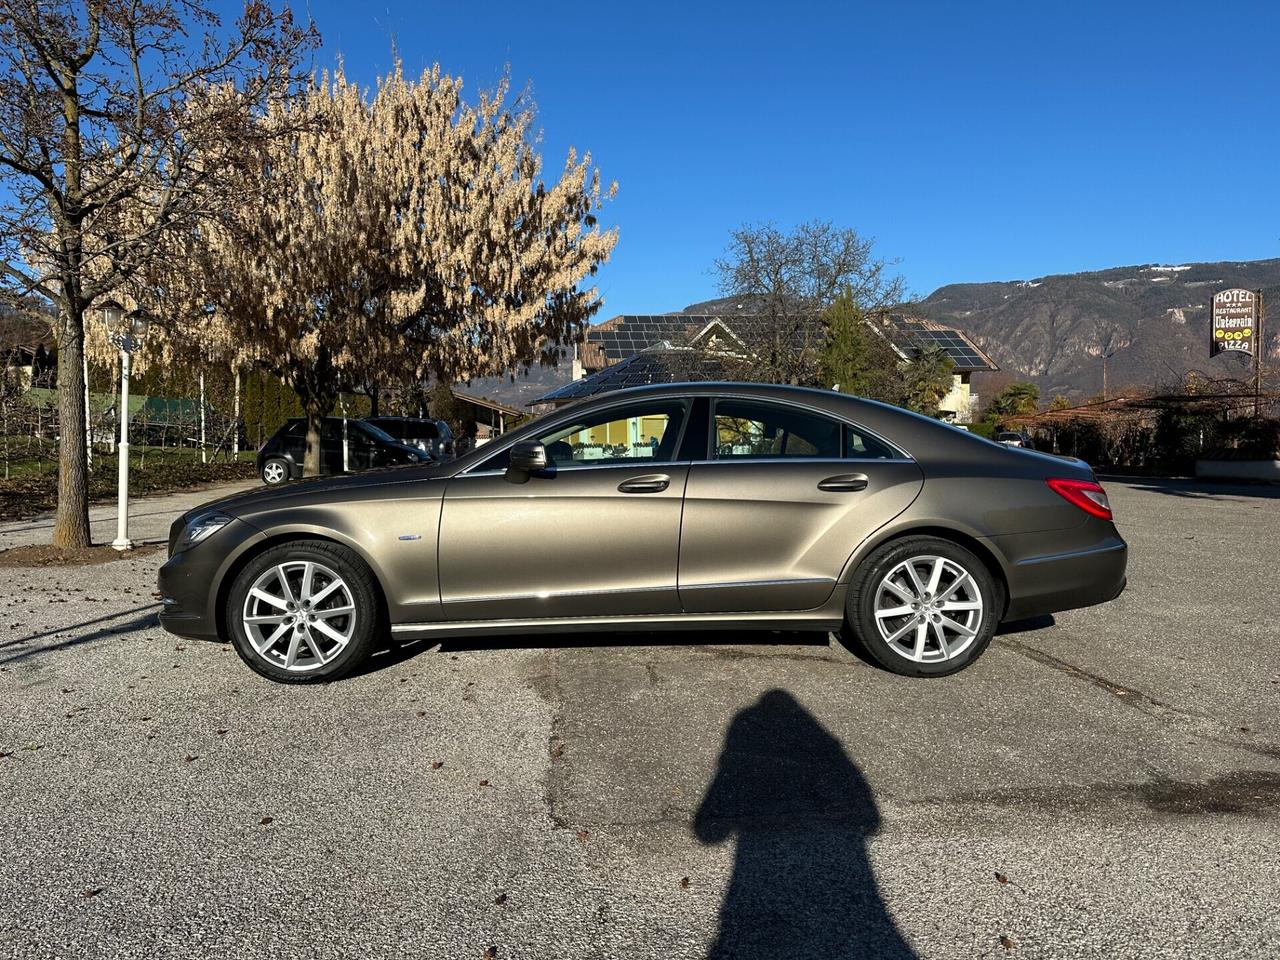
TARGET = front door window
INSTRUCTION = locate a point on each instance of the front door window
(632, 434)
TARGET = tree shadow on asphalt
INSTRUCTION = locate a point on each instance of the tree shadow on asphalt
(21, 650)
(802, 813)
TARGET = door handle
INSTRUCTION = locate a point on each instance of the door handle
(650, 483)
(845, 483)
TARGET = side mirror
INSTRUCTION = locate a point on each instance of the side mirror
(527, 458)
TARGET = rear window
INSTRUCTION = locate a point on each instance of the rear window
(408, 429)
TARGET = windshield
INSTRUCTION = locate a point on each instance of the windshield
(377, 432)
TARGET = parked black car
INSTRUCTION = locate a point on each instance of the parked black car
(281, 457)
(429, 436)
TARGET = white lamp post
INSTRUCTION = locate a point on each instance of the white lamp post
(127, 340)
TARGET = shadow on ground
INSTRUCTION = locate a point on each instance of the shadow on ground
(111, 625)
(1199, 489)
(801, 814)
(816, 642)
(392, 654)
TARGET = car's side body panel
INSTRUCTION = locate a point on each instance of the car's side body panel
(570, 543)
(762, 535)
(392, 523)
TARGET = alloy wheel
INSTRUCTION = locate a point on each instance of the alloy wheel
(928, 609)
(299, 615)
(273, 472)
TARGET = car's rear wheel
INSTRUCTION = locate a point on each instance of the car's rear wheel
(924, 606)
(275, 472)
(303, 612)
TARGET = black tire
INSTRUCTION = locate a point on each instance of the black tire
(367, 615)
(860, 606)
(275, 471)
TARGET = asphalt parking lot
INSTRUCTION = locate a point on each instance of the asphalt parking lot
(1104, 785)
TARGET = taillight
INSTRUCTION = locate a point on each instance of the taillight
(1088, 495)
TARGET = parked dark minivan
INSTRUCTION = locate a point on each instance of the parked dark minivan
(429, 436)
(281, 457)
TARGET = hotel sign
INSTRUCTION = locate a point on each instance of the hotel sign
(1235, 322)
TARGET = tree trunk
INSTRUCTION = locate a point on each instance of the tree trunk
(374, 393)
(314, 386)
(311, 462)
(71, 523)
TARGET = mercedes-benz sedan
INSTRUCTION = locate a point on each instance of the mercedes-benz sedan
(673, 507)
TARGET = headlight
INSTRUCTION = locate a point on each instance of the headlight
(414, 458)
(201, 528)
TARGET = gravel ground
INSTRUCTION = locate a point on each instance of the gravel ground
(1104, 785)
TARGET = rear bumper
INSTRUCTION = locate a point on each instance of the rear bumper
(1076, 577)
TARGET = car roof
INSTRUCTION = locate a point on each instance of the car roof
(919, 436)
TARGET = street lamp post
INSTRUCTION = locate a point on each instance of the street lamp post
(127, 340)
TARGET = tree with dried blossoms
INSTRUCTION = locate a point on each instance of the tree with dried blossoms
(401, 233)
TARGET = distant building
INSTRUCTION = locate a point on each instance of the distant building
(28, 364)
(909, 335)
(482, 418)
(634, 350)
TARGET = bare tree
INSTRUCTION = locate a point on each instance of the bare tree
(401, 234)
(112, 103)
(786, 281)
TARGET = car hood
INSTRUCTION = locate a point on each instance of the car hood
(318, 489)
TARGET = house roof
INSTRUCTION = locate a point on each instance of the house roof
(486, 403)
(910, 334)
(626, 335)
(655, 365)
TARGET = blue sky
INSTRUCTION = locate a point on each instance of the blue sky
(973, 141)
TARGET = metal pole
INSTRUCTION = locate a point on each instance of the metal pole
(346, 459)
(235, 430)
(204, 456)
(1258, 346)
(122, 541)
(88, 419)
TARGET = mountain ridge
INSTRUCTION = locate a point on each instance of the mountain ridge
(1150, 320)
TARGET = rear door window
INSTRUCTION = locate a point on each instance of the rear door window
(759, 430)
(751, 430)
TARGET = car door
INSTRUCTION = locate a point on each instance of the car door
(330, 446)
(596, 534)
(783, 500)
(293, 441)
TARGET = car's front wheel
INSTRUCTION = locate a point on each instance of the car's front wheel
(923, 606)
(303, 612)
(275, 472)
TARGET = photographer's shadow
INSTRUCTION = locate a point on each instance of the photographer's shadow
(802, 884)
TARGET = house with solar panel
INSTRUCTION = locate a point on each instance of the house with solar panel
(633, 350)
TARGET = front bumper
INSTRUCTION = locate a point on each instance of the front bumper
(189, 582)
